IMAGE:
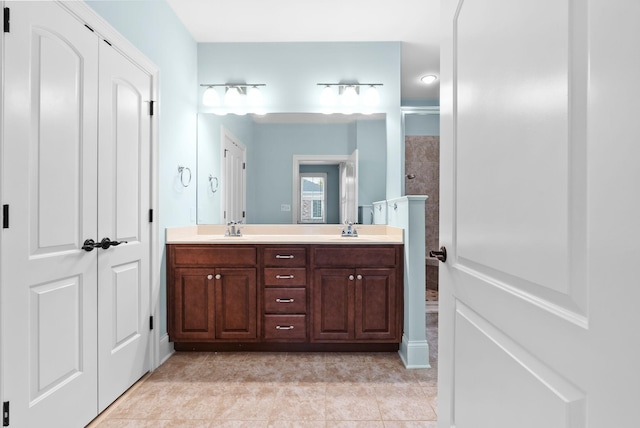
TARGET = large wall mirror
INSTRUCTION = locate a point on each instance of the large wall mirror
(253, 168)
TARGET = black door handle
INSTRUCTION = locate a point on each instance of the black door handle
(90, 244)
(106, 243)
(440, 255)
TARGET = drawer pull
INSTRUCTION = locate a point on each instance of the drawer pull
(351, 277)
(284, 327)
(284, 300)
(284, 256)
(209, 276)
(284, 276)
(218, 276)
(359, 277)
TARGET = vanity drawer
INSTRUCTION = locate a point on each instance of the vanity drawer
(214, 255)
(285, 300)
(285, 327)
(355, 256)
(285, 277)
(291, 256)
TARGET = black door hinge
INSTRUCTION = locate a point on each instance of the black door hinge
(151, 104)
(90, 29)
(244, 165)
(7, 14)
(151, 323)
(5, 216)
(243, 214)
(151, 216)
(5, 414)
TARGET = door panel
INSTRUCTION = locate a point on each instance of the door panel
(236, 304)
(234, 186)
(123, 177)
(526, 299)
(333, 301)
(49, 283)
(512, 217)
(375, 303)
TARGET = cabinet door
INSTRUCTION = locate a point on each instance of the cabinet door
(333, 304)
(376, 304)
(192, 311)
(236, 303)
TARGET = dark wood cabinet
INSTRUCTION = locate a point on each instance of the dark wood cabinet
(299, 297)
(212, 293)
(285, 282)
(355, 304)
(357, 293)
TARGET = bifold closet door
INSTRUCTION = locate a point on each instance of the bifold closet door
(49, 284)
(123, 210)
(75, 167)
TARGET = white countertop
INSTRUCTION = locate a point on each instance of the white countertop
(284, 234)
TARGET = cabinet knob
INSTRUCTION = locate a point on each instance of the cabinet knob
(218, 276)
(209, 276)
(359, 277)
(350, 277)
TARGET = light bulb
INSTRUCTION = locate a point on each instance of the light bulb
(328, 96)
(349, 96)
(429, 79)
(211, 97)
(254, 96)
(232, 97)
(371, 97)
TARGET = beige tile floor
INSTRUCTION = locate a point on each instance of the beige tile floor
(288, 390)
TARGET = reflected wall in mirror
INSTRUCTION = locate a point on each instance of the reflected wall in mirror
(271, 142)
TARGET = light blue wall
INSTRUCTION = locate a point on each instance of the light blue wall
(271, 163)
(152, 27)
(292, 71)
(422, 124)
(372, 166)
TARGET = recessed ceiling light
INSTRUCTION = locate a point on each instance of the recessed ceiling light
(429, 79)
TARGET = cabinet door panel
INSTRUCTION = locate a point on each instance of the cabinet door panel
(375, 305)
(192, 317)
(333, 298)
(236, 297)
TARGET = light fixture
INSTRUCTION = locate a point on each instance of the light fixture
(429, 79)
(254, 96)
(328, 96)
(236, 95)
(371, 97)
(233, 96)
(211, 97)
(349, 95)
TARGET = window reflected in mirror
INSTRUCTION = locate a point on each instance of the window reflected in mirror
(313, 197)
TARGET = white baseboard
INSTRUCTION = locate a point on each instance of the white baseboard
(414, 354)
(165, 349)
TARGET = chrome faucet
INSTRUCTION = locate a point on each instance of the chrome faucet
(350, 231)
(233, 229)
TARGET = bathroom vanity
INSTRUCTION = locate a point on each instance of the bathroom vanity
(285, 287)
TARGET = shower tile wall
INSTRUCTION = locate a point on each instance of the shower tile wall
(422, 158)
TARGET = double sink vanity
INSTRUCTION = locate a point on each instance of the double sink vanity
(285, 287)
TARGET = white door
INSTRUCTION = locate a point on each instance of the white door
(539, 214)
(123, 212)
(349, 189)
(234, 173)
(49, 182)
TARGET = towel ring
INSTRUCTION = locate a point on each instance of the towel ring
(181, 170)
(211, 180)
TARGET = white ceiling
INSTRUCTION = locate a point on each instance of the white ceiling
(413, 22)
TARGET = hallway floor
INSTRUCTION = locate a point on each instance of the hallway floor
(281, 390)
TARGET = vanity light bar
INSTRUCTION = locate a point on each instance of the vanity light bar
(350, 84)
(233, 85)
